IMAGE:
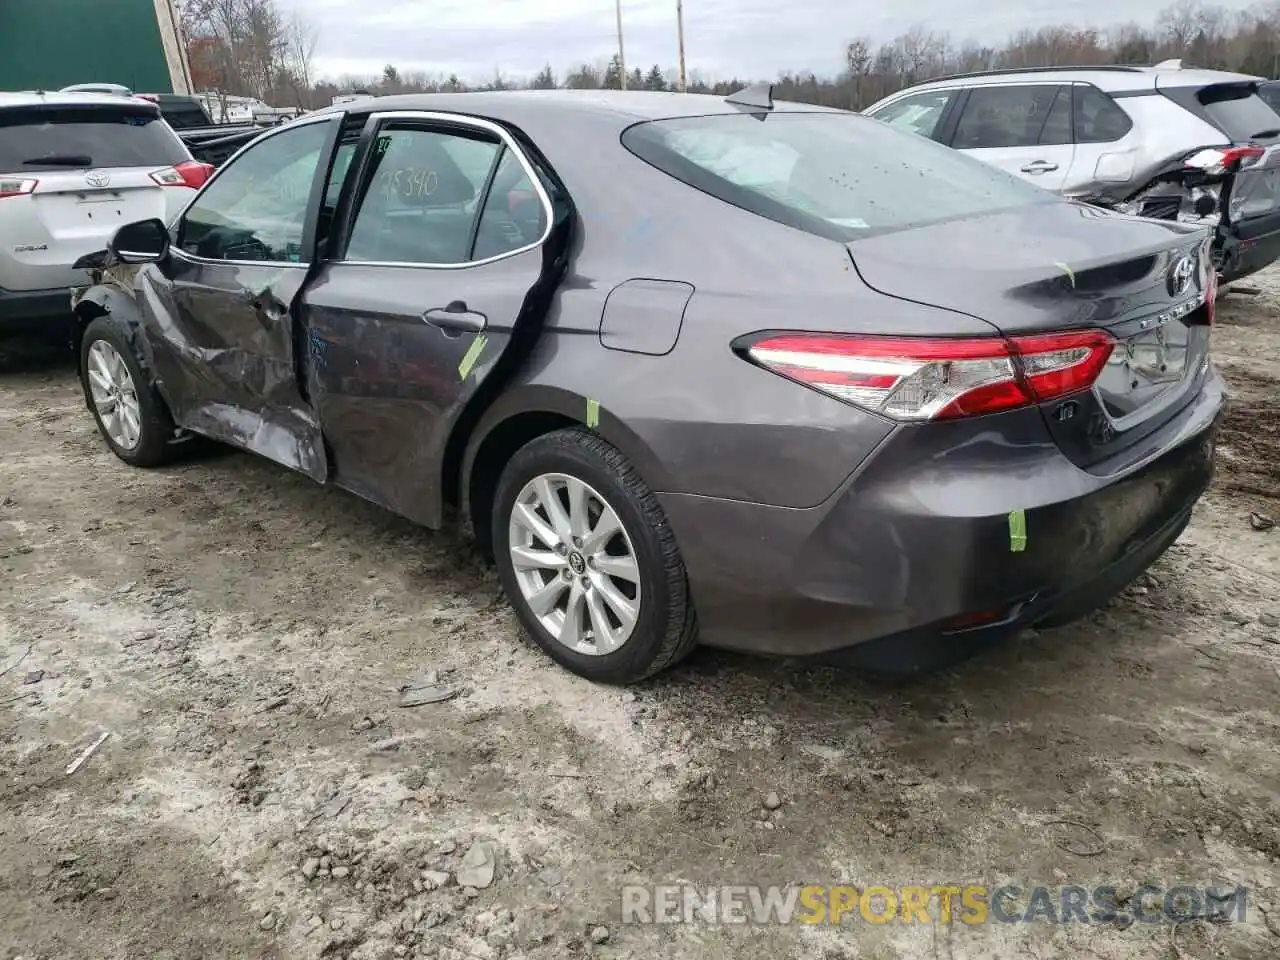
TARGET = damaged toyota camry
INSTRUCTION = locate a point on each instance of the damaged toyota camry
(768, 376)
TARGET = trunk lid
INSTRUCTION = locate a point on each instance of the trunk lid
(1064, 266)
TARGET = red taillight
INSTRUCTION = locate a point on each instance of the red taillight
(911, 378)
(1217, 160)
(191, 174)
(16, 186)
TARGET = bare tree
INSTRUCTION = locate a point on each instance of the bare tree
(858, 57)
(301, 39)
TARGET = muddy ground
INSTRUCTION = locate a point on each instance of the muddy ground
(242, 635)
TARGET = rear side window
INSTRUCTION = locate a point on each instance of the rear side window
(1098, 118)
(917, 114)
(417, 203)
(61, 138)
(1004, 117)
(419, 200)
(1237, 110)
(836, 175)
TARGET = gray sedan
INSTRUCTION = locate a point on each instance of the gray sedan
(775, 377)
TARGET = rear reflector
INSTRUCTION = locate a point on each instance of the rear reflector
(191, 174)
(16, 186)
(911, 378)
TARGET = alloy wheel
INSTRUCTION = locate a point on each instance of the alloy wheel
(575, 564)
(115, 397)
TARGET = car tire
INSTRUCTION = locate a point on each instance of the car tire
(664, 629)
(149, 445)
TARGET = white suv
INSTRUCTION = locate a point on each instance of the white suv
(73, 168)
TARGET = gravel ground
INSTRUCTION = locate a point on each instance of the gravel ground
(243, 636)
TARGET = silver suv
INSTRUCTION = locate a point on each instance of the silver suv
(1198, 146)
(74, 167)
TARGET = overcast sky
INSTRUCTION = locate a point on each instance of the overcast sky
(723, 38)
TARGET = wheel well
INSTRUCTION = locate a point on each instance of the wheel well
(499, 447)
(85, 313)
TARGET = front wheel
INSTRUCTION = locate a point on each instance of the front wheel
(588, 560)
(130, 414)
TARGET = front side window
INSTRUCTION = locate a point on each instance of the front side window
(256, 208)
(423, 200)
(837, 175)
(1012, 116)
(917, 114)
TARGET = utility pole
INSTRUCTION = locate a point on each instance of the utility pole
(684, 84)
(622, 57)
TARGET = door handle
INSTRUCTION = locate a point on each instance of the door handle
(456, 318)
(1039, 166)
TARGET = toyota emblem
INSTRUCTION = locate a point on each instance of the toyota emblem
(1180, 276)
(97, 178)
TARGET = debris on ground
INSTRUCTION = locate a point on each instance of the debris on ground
(416, 695)
(1261, 522)
(32, 677)
(79, 761)
(478, 866)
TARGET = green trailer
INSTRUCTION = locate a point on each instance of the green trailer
(50, 44)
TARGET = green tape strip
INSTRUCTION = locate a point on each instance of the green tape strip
(1017, 531)
(593, 413)
(1071, 274)
(469, 359)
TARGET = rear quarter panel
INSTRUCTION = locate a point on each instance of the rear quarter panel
(700, 419)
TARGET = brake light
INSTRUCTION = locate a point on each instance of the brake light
(1218, 160)
(913, 379)
(191, 174)
(16, 186)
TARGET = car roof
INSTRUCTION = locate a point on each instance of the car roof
(1112, 79)
(35, 98)
(626, 107)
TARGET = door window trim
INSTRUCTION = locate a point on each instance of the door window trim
(308, 229)
(439, 119)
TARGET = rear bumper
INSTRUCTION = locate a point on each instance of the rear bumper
(35, 311)
(919, 542)
(1251, 245)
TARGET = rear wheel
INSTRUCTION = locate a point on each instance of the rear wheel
(130, 414)
(588, 560)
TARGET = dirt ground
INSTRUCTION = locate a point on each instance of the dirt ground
(243, 635)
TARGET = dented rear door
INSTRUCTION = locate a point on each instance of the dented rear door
(221, 313)
(436, 285)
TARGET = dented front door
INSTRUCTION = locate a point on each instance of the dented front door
(220, 314)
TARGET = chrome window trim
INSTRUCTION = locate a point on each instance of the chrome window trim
(275, 131)
(507, 140)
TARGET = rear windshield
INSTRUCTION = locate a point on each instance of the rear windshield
(59, 138)
(840, 176)
(1238, 111)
